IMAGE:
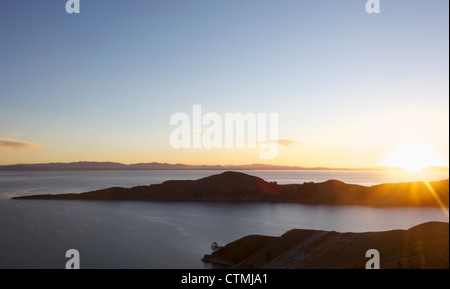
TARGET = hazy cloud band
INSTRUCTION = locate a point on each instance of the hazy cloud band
(15, 145)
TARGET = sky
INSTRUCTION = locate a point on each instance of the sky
(351, 89)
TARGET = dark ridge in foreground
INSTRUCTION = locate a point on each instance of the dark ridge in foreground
(240, 187)
(423, 246)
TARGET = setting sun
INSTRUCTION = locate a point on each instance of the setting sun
(414, 156)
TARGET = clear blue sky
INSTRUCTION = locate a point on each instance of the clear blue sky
(101, 85)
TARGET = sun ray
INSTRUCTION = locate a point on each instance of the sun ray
(435, 195)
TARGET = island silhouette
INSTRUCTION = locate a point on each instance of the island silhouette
(240, 187)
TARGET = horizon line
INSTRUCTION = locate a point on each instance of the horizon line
(219, 166)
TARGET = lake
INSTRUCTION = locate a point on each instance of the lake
(37, 233)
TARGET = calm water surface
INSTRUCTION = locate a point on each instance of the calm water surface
(36, 234)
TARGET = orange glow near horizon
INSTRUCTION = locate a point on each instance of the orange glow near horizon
(414, 156)
(308, 153)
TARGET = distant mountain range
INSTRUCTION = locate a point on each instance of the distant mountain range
(240, 187)
(164, 166)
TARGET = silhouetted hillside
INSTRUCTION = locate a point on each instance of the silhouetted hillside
(240, 187)
(423, 246)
